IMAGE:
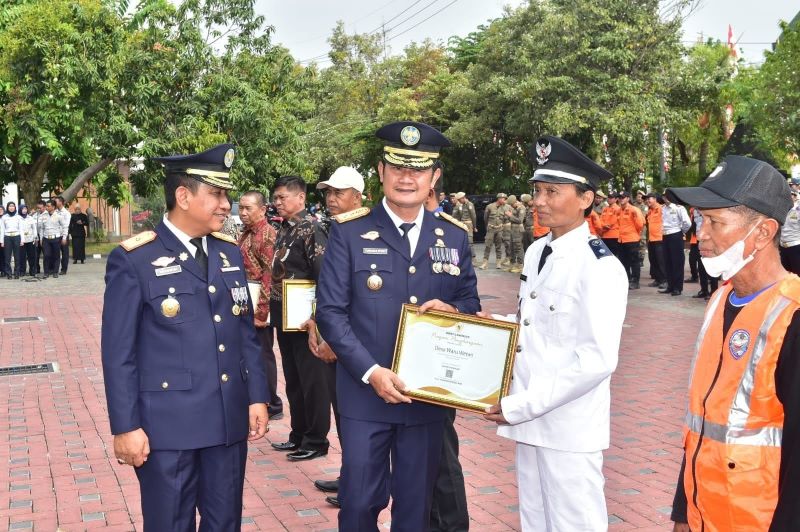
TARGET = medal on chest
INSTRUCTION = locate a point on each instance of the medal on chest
(170, 307)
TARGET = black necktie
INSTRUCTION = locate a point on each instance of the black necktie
(545, 253)
(405, 228)
(200, 255)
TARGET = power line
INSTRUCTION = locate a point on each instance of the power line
(422, 21)
(417, 12)
(397, 15)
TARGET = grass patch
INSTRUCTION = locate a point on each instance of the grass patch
(103, 248)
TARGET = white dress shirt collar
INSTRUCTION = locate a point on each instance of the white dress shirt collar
(414, 232)
(183, 237)
(579, 234)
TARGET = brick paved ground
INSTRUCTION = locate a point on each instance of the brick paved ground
(60, 472)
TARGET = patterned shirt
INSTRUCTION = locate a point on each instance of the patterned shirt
(299, 249)
(257, 243)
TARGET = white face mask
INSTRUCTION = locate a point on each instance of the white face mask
(729, 262)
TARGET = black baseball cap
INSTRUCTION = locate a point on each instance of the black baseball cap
(740, 181)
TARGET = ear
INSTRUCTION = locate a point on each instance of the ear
(586, 199)
(380, 170)
(765, 233)
(436, 175)
(183, 197)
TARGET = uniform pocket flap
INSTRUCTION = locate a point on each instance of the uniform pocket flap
(165, 381)
(169, 286)
(378, 263)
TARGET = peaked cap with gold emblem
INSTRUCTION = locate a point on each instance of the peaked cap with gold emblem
(411, 144)
(211, 167)
(557, 161)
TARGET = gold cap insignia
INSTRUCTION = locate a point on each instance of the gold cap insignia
(228, 160)
(410, 136)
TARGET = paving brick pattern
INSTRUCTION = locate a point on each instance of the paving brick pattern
(60, 472)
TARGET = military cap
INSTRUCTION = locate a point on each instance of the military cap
(740, 181)
(460, 195)
(411, 144)
(501, 195)
(600, 194)
(211, 167)
(525, 198)
(557, 161)
(512, 198)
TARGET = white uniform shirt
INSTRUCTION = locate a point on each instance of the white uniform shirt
(29, 229)
(571, 319)
(790, 232)
(10, 224)
(675, 218)
(65, 217)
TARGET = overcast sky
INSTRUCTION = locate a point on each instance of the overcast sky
(303, 26)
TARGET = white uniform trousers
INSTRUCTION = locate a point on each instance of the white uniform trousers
(560, 491)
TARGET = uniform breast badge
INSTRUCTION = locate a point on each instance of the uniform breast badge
(438, 231)
(371, 235)
(240, 301)
(183, 256)
(170, 307)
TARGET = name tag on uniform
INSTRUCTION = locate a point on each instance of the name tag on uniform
(230, 269)
(375, 251)
(169, 270)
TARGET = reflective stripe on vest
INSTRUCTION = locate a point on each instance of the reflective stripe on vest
(764, 436)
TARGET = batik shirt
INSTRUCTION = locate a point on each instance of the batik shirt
(299, 250)
(257, 244)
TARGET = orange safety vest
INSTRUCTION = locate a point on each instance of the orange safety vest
(631, 223)
(693, 238)
(655, 226)
(609, 217)
(734, 423)
(594, 223)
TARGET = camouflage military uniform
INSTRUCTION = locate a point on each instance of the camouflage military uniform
(465, 213)
(527, 225)
(494, 218)
(517, 229)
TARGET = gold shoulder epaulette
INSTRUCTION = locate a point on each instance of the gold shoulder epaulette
(453, 221)
(352, 215)
(138, 240)
(226, 238)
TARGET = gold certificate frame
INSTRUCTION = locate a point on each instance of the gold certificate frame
(455, 360)
(299, 296)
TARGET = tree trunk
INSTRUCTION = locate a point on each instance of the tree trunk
(88, 173)
(30, 178)
(702, 159)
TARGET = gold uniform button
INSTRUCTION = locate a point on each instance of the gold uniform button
(221, 348)
(413, 300)
(171, 290)
(412, 270)
(526, 322)
(212, 289)
(217, 318)
(164, 385)
(224, 377)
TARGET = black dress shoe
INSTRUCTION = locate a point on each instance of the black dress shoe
(305, 454)
(675, 293)
(74, 262)
(328, 486)
(653, 284)
(633, 285)
(286, 446)
(276, 416)
(690, 280)
(700, 294)
(665, 291)
(333, 501)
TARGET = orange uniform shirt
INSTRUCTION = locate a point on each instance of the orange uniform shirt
(538, 230)
(655, 226)
(609, 222)
(631, 223)
(595, 227)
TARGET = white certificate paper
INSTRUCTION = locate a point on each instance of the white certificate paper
(453, 359)
(298, 303)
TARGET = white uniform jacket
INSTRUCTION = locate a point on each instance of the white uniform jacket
(570, 318)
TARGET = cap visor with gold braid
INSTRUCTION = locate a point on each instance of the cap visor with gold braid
(211, 167)
(411, 144)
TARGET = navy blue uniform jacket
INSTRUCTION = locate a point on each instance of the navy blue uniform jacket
(187, 380)
(361, 324)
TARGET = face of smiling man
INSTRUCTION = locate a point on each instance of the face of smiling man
(202, 211)
(405, 188)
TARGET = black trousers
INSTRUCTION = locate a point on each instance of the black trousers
(694, 260)
(449, 505)
(527, 240)
(306, 387)
(629, 256)
(613, 245)
(655, 253)
(39, 256)
(79, 248)
(266, 336)
(64, 248)
(52, 247)
(13, 249)
(790, 258)
(675, 259)
(29, 256)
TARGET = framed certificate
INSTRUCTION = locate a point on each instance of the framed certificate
(299, 296)
(455, 360)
